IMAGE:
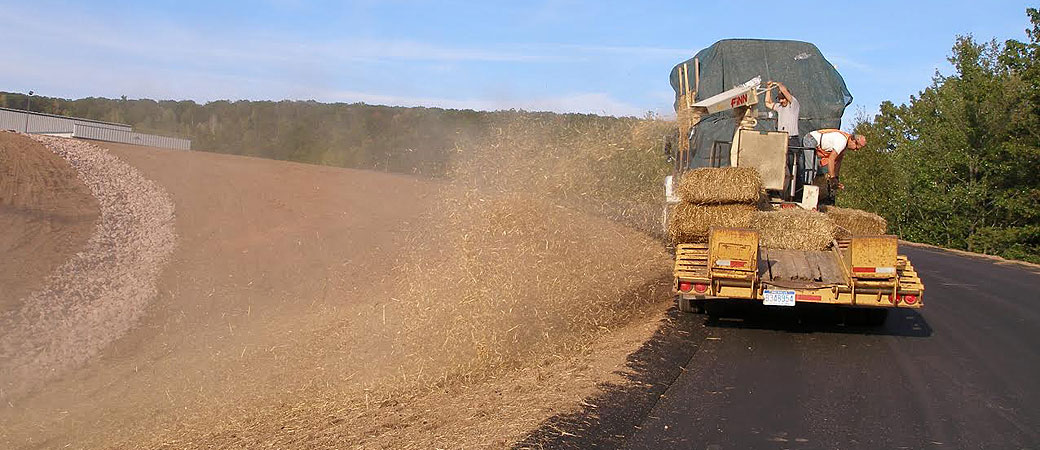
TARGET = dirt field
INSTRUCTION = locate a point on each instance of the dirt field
(46, 214)
(301, 304)
(101, 291)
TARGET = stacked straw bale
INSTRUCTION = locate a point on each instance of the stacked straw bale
(691, 222)
(855, 222)
(720, 186)
(714, 197)
(794, 229)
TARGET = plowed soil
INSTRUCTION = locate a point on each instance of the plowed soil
(46, 215)
(266, 248)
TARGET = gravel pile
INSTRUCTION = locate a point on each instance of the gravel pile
(101, 292)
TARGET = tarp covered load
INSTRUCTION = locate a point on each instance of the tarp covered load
(820, 90)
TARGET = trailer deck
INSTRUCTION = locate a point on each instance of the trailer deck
(865, 271)
(799, 269)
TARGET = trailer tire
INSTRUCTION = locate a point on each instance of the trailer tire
(685, 305)
(875, 317)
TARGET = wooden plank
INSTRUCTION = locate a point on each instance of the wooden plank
(804, 270)
(784, 265)
(765, 271)
(819, 266)
(830, 269)
(776, 265)
(813, 260)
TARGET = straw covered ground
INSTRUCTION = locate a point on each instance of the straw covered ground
(514, 310)
(295, 315)
(522, 272)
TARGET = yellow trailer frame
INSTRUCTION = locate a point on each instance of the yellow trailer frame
(726, 267)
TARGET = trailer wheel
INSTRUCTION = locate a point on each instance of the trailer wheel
(685, 305)
(875, 317)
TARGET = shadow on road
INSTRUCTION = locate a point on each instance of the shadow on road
(607, 419)
(815, 319)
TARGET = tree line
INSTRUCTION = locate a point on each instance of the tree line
(412, 140)
(959, 164)
(396, 139)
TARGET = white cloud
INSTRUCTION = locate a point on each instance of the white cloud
(142, 81)
(171, 42)
(160, 59)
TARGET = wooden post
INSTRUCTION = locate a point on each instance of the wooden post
(686, 116)
(696, 74)
(682, 87)
(686, 76)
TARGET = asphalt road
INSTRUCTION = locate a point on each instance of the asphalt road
(962, 373)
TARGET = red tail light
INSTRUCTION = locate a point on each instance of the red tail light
(700, 287)
(910, 299)
(685, 286)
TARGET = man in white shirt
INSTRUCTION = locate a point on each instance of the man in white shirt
(830, 145)
(787, 109)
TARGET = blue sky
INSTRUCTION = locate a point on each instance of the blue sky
(566, 56)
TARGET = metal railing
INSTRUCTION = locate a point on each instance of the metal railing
(129, 137)
(36, 122)
(42, 123)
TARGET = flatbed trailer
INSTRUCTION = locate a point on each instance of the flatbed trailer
(861, 272)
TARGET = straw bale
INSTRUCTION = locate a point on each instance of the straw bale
(855, 222)
(690, 223)
(715, 186)
(794, 229)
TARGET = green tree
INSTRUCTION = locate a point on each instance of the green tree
(957, 166)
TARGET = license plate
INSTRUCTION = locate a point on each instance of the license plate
(772, 297)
